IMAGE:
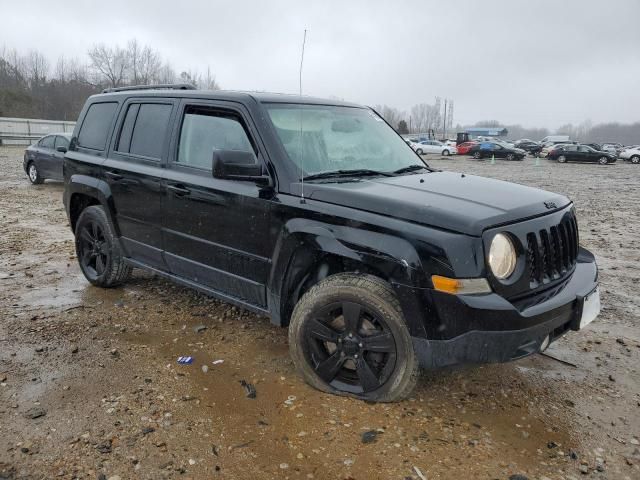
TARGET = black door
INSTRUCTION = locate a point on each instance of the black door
(571, 153)
(587, 154)
(216, 232)
(133, 170)
(58, 157)
(499, 151)
(44, 156)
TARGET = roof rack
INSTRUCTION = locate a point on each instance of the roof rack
(164, 86)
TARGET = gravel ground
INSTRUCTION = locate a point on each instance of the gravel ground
(90, 388)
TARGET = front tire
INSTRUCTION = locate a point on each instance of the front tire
(603, 160)
(98, 250)
(477, 155)
(348, 337)
(34, 174)
(635, 159)
(419, 151)
(511, 157)
(562, 159)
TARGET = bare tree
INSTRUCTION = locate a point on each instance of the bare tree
(144, 63)
(166, 74)
(111, 63)
(390, 114)
(208, 82)
(37, 67)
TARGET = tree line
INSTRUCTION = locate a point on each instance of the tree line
(32, 87)
(429, 119)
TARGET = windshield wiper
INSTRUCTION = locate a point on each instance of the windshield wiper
(363, 172)
(411, 168)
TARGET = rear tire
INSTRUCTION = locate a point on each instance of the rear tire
(34, 174)
(635, 159)
(374, 341)
(446, 153)
(98, 250)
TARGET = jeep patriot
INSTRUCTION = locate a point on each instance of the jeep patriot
(316, 214)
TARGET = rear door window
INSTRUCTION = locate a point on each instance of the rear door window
(96, 125)
(144, 130)
(150, 130)
(48, 142)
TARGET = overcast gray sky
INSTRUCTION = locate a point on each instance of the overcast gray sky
(537, 63)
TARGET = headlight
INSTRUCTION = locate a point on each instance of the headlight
(502, 256)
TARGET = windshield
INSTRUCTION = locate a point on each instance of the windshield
(325, 138)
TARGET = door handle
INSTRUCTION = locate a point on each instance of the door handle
(178, 190)
(114, 175)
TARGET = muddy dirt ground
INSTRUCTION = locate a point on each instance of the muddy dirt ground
(90, 387)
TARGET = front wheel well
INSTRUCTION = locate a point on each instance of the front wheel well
(77, 203)
(300, 281)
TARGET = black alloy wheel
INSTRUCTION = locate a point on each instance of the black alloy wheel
(92, 250)
(350, 347)
(98, 250)
(477, 155)
(348, 336)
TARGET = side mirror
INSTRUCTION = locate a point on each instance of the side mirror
(238, 165)
(61, 149)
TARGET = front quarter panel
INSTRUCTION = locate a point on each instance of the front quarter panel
(404, 254)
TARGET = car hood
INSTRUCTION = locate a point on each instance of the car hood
(463, 203)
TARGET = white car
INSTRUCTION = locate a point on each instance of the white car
(434, 146)
(632, 154)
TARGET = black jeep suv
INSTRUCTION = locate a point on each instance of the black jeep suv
(317, 214)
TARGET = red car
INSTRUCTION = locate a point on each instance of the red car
(463, 148)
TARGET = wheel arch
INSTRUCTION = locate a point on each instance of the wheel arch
(309, 252)
(83, 191)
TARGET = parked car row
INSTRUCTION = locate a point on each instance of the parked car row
(43, 160)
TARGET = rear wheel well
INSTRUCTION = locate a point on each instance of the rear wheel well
(323, 266)
(78, 202)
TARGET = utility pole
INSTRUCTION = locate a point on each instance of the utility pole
(444, 125)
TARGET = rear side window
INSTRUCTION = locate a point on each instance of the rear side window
(47, 142)
(95, 127)
(205, 131)
(144, 129)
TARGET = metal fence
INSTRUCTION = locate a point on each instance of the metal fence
(26, 131)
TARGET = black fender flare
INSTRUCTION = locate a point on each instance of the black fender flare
(94, 188)
(303, 243)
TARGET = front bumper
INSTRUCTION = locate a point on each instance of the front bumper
(488, 328)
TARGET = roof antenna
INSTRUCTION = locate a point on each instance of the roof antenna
(302, 200)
